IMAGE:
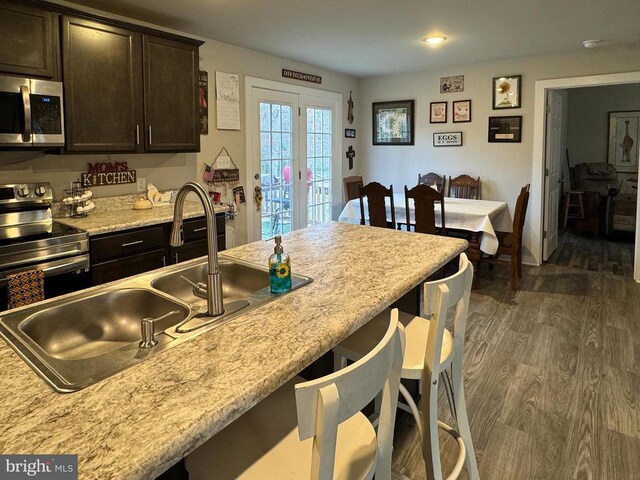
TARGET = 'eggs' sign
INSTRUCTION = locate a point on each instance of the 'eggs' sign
(447, 139)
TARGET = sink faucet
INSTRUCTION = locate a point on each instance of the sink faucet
(215, 306)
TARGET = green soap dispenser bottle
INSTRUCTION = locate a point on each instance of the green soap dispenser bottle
(279, 269)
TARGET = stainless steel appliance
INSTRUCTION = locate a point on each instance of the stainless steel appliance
(31, 113)
(29, 238)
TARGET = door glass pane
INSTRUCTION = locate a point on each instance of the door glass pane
(275, 168)
(319, 151)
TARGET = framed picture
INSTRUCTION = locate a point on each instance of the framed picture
(461, 111)
(438, 112)
(505, 129)
(624, 134)
(506, 92)
(452, 84)
(393, 123)
(447, 139)
(350, 133)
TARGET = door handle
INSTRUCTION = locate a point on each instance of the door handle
(137, 134)
(150, 137)
(26, 103)
(199, 229)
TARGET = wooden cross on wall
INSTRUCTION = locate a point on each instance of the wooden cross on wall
(350, 154)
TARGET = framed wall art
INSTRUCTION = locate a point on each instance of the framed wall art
(461, 111)
(349, 133)
(438, 112)
(506, 91)
(452, 84)
(393, 123)
(447, 139)
(505, 129)
(624, 134)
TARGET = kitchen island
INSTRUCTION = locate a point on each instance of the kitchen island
(139, 422)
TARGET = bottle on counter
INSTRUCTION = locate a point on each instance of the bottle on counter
(279, 269)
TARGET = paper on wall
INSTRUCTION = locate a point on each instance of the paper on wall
(228, 101)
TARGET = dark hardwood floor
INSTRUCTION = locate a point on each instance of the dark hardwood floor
(552, 377)
(580, 249)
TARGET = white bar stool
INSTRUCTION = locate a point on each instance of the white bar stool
(430, 350)
(328, 439)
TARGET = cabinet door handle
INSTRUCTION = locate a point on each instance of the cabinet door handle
(129, 244)
(201, 229)
(137, 134)
(164, 261)
(150, 137)
(177, 258)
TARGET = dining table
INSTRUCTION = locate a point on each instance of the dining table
(480, 218)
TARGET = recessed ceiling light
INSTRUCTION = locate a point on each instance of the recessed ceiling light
(591, 43)
(434, 39)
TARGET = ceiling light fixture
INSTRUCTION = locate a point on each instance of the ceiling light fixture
(591, 43)
(434, 39)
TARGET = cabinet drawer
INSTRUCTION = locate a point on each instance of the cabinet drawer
(127, 243)
(196, 229)
(127, 266)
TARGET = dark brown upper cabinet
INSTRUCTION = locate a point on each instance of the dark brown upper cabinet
(170, 95)
(128, 90)
(28, 41)
(102, 67)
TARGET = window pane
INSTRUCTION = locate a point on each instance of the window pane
(276, 124)
(265, 117)
(286, 118)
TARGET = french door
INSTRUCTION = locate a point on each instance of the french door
(294, 160)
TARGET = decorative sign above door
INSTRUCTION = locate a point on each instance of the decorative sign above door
(305, 77)
(108, 173)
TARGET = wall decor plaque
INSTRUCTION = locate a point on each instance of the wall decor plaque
(452, 84)
(447, 139)
(305, 77)
(107, 173)
(505, 129)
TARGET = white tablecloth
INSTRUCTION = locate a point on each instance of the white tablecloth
(482, 216)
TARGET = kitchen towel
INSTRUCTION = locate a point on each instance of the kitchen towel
(25, 287)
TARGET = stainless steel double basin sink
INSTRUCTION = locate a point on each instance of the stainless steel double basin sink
(73, 342)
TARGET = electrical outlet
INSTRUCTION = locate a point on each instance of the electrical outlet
(142, 184)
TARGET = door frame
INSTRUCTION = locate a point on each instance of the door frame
(336, 98)
(538, 194)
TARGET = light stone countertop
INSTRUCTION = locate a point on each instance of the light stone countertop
(114, 217)
(139, 422)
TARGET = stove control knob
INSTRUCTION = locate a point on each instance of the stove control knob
(23, 191)
(40, 191)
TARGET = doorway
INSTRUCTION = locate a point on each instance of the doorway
(293, 150)
(541, 190)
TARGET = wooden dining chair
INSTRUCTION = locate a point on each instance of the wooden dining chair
(464, 186)
(425, 201)
(329, 438)
(376, 195)
(510, 243)
(352, 187)
(431, 349)
(432, 179)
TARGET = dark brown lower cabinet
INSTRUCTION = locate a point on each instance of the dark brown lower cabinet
(130, 252)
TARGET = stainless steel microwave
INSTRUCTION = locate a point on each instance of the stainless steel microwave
(31, 113)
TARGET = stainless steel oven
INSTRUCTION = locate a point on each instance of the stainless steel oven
(29, 238)
(31, 113)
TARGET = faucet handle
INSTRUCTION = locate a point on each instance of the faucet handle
(148, 330)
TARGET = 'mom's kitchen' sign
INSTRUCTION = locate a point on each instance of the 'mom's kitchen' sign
(108, 173)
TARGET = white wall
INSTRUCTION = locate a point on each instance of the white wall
(503, 168)
(588, 119)
(169, 171)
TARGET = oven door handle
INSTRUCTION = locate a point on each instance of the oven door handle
(26, 104)
(50, 269)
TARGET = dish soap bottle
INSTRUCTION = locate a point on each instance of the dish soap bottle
(279, 269)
